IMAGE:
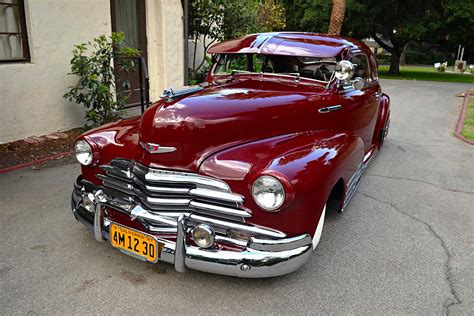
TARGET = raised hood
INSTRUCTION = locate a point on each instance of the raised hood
(219, 117)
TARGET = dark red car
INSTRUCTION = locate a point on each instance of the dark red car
(234, 176)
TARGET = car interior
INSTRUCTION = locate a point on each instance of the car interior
(316, 68)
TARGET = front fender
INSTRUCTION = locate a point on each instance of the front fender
(311, 163)
(117, 139)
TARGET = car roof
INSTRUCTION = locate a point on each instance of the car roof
(289, 44)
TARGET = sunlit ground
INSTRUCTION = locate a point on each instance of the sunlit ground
(427, 74)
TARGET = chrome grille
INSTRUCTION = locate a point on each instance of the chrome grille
(165, 195)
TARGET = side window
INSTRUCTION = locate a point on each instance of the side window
(361, 67)
(375, 69)
(258, 61)
(230, 62)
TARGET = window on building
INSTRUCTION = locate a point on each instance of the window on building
(13, 37)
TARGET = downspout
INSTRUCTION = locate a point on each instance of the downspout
(186, 35)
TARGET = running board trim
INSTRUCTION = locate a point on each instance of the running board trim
(354, 182)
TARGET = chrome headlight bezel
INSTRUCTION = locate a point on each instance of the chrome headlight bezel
(203, 235)
(262, 190)
(83, 152)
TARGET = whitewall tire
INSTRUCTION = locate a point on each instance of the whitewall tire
(319, 229)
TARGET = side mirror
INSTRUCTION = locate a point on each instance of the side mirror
(344, 70)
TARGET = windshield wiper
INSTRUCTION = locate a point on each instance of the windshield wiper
(295, 74)
(236, 71)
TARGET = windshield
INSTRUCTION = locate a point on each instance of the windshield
(316, 68)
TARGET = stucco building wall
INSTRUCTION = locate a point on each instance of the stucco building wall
(31, 93)
(165, 45)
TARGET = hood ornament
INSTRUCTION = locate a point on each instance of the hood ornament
(156, 148)
(170, 94)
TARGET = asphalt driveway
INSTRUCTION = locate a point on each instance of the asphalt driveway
(405, 245)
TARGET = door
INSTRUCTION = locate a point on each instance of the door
(361, 105)
(129, 17)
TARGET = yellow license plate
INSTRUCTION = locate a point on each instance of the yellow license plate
(135, 243)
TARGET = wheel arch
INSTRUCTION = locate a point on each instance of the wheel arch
(335, 199)
(383, 116)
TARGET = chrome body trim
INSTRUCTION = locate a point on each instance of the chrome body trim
(240, 249)
(354, 182)
(279, 244)
(172, 177)
(246, 228)
(220, 209)
(330, 109)
(156, 148)
(229, 197)
(163, 191)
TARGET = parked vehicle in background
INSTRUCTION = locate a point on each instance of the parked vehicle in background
(235, 176)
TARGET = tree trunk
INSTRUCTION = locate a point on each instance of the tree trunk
(395, 62)
(402, 56)
(337, 17)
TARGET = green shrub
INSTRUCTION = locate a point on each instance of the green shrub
(201, 74)
(419, 57)
(93, 63)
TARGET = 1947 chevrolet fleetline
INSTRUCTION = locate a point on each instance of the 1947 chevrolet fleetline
(234, 176)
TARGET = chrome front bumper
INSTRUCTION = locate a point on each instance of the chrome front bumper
(259, 258)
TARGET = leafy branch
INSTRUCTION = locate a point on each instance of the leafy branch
(95, 89)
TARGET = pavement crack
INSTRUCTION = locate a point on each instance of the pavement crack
(405, 144)
(449, 302)
(419, 181)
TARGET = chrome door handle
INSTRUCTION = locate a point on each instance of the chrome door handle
(330, 109)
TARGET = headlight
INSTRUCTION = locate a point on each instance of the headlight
(268, 193)
(83, 152)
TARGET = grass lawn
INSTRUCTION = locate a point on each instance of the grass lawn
(425, 73)
(468, 128)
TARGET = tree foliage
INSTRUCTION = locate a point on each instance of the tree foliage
(457, 23)
(271, 16)
(240, 17)
(307, 15)
(217, 20)
(92, 62)
(205, 24)
(393, 24)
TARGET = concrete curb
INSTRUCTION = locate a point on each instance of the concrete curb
(39, 161)
(462, 117)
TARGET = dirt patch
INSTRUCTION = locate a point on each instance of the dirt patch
(37, 147)
(156, 269)
(86, 284)
(40, 248)
(4, 270)
(133, 278)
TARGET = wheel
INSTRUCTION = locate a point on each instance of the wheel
(319, 229)
(387, 126)
(384, 132)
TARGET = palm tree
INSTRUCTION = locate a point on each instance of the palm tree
(337, 17)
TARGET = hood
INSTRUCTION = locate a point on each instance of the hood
(219, 117)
